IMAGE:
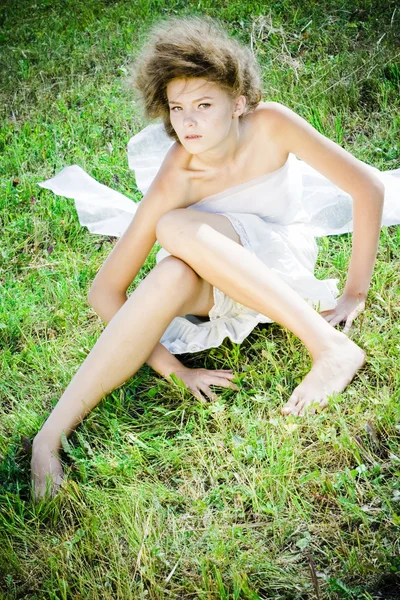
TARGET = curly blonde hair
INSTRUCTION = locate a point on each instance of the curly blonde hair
(187, 47)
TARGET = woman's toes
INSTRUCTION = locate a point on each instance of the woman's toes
(298, 406)
(323, 403)
(46, 471)
(309, 407)
(291, 404)
(298, 410)
(47, 488)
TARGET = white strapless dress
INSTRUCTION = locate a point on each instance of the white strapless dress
(277, 217)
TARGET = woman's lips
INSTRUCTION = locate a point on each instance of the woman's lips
(192, 137)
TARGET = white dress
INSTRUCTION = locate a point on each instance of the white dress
(277, 217)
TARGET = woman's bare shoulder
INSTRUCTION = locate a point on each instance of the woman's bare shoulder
(179, 166)
(268, 113)
(177, 158)
(271, 107)
(274, 114)
(268, 120)
(173, 179)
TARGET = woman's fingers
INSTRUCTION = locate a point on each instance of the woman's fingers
(208, 392)
(353, 315)
(204, 386)
(346, 313)
(229, 384)
(348, 324)
(221, 381)
(224, 375)
(327, 313)
(227, 374)
(329, 318)
(196, 393)
(198, 382)
(337, 319)
(215, 377)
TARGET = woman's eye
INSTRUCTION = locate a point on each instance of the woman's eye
(202, 104)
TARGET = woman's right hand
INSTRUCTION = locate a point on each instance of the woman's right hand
(199, 380)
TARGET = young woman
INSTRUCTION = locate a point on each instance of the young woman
(227, 204)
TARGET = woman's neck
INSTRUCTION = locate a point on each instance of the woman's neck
(226, 154)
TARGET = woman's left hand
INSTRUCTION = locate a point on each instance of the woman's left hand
(347, 309)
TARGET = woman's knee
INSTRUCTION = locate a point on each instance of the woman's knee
(195, 293)
(172, 225)
(174, 271)
(177, 228)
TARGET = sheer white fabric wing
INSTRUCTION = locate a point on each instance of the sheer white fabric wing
(330, 209)
(104, 210)
(101, 209)
(146, 151)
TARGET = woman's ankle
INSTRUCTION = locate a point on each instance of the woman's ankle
(334, 343)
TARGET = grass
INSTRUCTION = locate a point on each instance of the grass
(167, 497)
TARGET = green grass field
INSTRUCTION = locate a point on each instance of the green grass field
(168, 497)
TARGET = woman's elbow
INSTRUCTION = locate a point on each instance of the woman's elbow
(377, 187)
(380, 188)
(94, 296)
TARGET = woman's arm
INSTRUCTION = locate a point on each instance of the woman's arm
(108, 291)
(347, 172)
(167, 191)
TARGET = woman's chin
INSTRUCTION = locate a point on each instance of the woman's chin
(194, 146)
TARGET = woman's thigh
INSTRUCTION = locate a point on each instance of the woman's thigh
(202, 301)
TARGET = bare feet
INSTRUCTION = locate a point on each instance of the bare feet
(46, 470)
(330, 374)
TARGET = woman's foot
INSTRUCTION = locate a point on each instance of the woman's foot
(46, 470)
(331, 373)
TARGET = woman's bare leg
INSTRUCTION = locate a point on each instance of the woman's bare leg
(172, 288)
(196, 238)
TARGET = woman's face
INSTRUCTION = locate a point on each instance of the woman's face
(199, 108)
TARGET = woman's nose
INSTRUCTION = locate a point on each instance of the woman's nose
(189, 120)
